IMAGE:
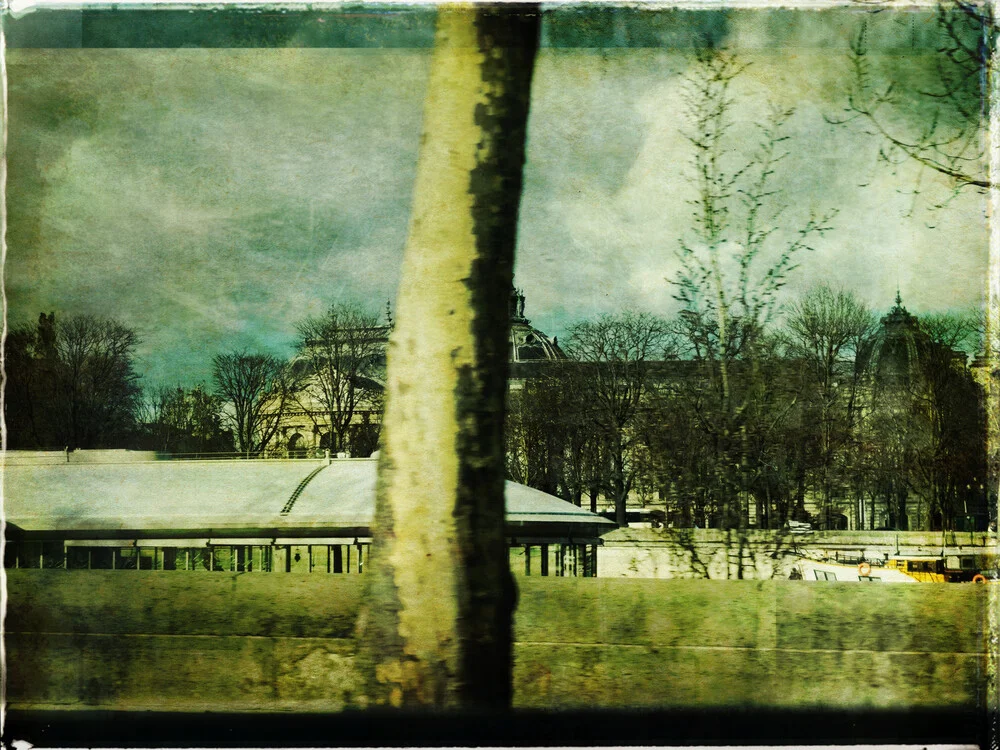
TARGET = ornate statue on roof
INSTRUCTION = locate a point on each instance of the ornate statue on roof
(516, 305)
(898, 315)
(528, 343)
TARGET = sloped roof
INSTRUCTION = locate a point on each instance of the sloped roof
(234, 496)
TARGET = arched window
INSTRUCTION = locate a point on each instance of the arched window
(296, 449)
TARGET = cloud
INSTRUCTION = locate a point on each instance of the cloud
(213, 198)
(219, 192)
(620, 235)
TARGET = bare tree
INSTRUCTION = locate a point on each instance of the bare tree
(534, 434)
(614, 355)
(951, 448)
(185, 420)
(959, 330)
(72, 383)
(258, 389)
(734, 261)
(830, 332)
(97, 378)
(158, 411)
(553, 442)
(343, 350)
(24, 419)
(949, 138)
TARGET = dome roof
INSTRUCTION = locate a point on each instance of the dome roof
(528, 344)
(898, 348)
(223, 498)
(525, 344)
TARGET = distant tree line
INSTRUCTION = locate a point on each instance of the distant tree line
(183, 420)
(72, 384)
(879, 424)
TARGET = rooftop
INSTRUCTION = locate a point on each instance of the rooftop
(230, 497)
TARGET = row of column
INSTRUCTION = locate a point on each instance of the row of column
(306, 558)
(562, 560)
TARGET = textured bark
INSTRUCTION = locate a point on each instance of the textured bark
(436, 630)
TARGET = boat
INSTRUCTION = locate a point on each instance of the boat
(898, 569)
(820, 570)
(923, 569)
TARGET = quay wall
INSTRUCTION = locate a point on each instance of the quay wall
(710, 553)
(153, 640)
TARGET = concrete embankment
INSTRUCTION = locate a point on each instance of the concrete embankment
(759, 554)
(148, 640)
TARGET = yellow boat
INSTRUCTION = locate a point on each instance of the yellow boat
(950, 569)
(923, 569)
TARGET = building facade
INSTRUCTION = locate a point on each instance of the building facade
(348, 372)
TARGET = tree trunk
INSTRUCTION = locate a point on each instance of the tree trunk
(436, 626)
(618, 481)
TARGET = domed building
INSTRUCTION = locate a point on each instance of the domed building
(530, 349)
(897, 351)
(306, 429)
(923, 451)
(528, 344)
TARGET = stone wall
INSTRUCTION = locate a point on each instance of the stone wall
(710, 553)
(148, 640)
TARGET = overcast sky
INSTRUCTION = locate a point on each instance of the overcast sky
(212, 197)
